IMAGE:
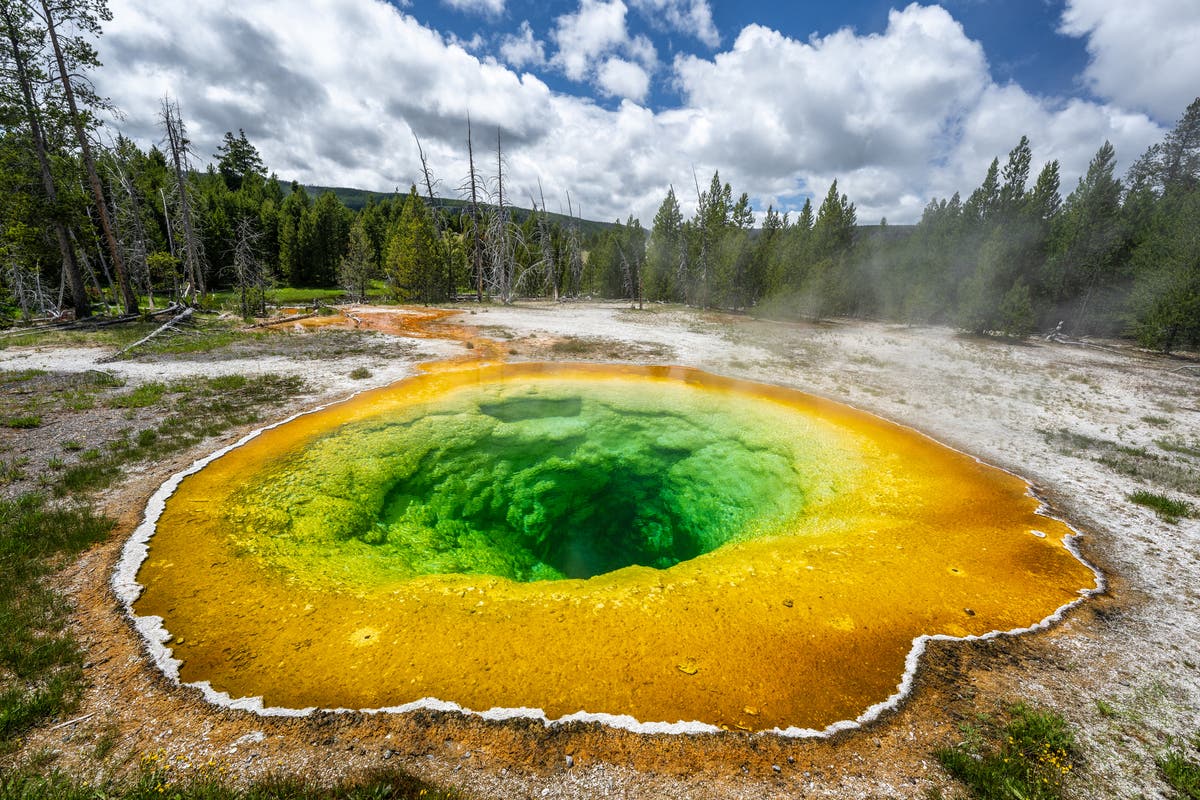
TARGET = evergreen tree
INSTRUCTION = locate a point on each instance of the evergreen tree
(293, 258)
(357, 267)
(1088, 240)
(237, 158)
(662, 260)
(413, 268)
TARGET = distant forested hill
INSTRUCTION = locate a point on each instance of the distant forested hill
(356, 200)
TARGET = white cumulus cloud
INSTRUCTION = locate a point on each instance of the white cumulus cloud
(333, 91)
(692, 17)
(523, 48)
(596, 28)
(620, 78)
(1144, 55)
(490, 8)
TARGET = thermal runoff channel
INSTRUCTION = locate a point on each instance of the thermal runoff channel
(654, 543)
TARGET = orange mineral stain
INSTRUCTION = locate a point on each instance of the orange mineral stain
(805, 625)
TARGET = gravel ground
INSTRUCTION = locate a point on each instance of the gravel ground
(1085, 425)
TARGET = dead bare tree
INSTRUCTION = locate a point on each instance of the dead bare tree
(574, 255)
(702, 301)
(26, 286)
(438, 223)
(473, 189)
(128, 225)
(250, 272)
(128, 297)
(179, 146)
(499, 237)
(546, 242)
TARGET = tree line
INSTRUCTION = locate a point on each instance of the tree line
(1114, 257)
(87, 223)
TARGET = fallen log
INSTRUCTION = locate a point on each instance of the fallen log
(271, 322)
(168, 325)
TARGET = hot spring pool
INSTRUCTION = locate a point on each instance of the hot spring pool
(658, 548)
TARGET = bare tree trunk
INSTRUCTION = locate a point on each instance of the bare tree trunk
(547, 244)
(139, 270)
(177, 140)
(438, 227)
(476, 253)
(703, 297)
(127, 295)
(248, 268)
(574, 250)
(71, 270)
(503, 278)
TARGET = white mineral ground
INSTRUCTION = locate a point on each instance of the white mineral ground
(1123, 669)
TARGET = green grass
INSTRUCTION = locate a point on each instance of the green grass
(359, 373)
(1028, 757)
(39, 661)
(40, 665)
(1135, 462)
(1179, 446)
(160, 779)
(148, 394)
(20, 375)
(283, 295)
(193, 411)
(1166, 508)
(25, 422)
(1181, 772)
(112, 336)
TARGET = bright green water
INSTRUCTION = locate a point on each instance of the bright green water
(535, 481)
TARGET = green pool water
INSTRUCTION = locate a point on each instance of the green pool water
(558, 479)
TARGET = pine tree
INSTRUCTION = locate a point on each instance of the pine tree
(1087, 242)
(662, 259)
(237, 158)
(357, 267)
(412, 267)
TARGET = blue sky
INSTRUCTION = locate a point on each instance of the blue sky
(615, 101)
(1021, 37)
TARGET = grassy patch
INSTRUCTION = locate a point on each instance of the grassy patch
(360, 373)
(26, 422)
(148, 394)
(20, 375)
(1179, 446)
(160, 778)
(195, 410)
(1181, 772)
(1029, 756)
(1135, 462)
(112, 336)
(40, 664)
(1166, 508)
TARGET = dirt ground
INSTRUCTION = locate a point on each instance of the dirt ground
(1086, 426)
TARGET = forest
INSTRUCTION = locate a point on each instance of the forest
(94, 223)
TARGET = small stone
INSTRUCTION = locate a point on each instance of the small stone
(788, 603)
(387, 754)
(570, 761)
(791, 759)
(776, 768)
(969, 612)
